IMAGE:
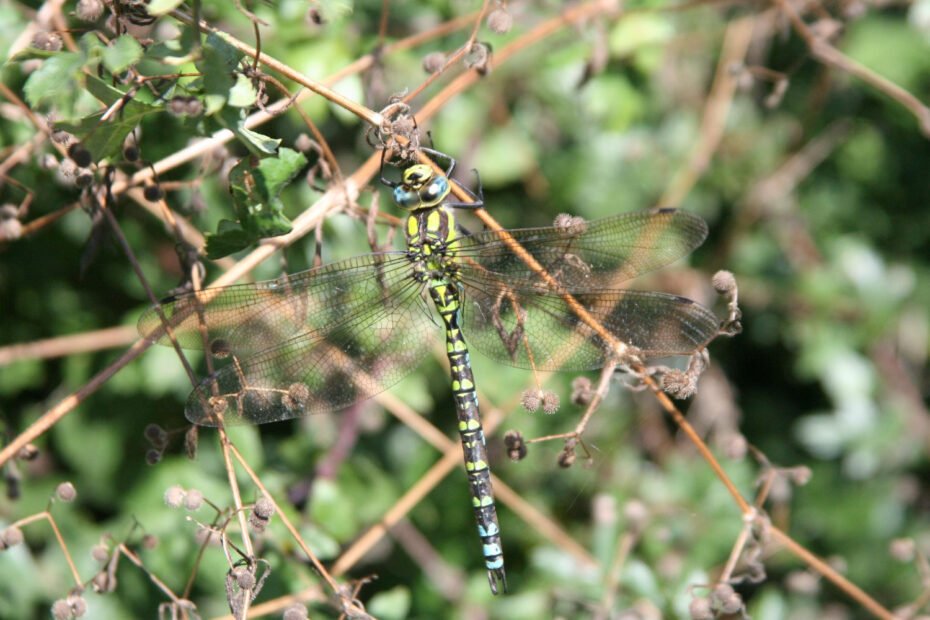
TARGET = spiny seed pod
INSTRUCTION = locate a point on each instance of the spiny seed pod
(550, 402)
(89, 10)
(531, 400)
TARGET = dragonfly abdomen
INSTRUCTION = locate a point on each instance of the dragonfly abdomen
(446, 297)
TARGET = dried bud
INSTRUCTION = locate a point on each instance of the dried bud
(100, 552)
(153, 456)
(434, 62)
(723, 282)
(193, 499)
(244, 578)
(264, 508)
(11, 536)
(903, 549)
(699, 609)
(550, 402)
(478, 58)
(174, 496)
(516, 447)
(295, 612)
(47, 41)
(149, 541)
(80, 155)
(89, 10)
(66, 492)
(581, 391)
(500, 21)
(531, 400)
(153, 193)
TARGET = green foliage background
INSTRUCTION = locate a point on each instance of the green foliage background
(818, 204)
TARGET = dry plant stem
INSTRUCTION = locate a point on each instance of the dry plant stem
(735, 43)
(359, 110)
(33, 225)
(737, 550)
(603, 386)
(68, 345)
(61, 541)
(824, 52)
(827, 571)
(237, 498)
(287, 523)
(66, 405)
(625, 545)
(135, 559)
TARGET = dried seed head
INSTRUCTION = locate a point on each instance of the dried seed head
(725, 599)
(550, 402)
(66, 492)
(11, 536)
(174, 496)
(500, 21)
(100, 552)
(80, 155)
(801, 475)
(84, 179)
(516, 447)
(735, 446)
(78, 605)
(61, 610)
(131, 152)
(149, 541)
(434, 62)
(264, 508)
(205, 535)
(723, 282)
(156, 435)
(193, 499)
(295, 612)
(244, 578)
(153, 456)
(303, 143)
(28, 452)
(567, 457)
(699, 609)
(48, 41)
(89, 10)
(570, 224)
(11, 229)
(194, 106)
(903, 549)
(478, 58)
(582, 392)
(103, 582)
(531, 400)
(802, 581)
(153, 193)
(297, 397)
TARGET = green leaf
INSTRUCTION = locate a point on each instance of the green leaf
(394, 603)
(56, 81)
(160, 7)
(243, 93)
(105, 139)
(255, 186)
(217, 65)
(122, 53)
(228, 238)
(259, 144)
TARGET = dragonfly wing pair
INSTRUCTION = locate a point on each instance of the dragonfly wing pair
(325, 338)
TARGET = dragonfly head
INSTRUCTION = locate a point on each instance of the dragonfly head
(421, 188)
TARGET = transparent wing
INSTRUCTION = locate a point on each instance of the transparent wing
(337, 335)
(601, 254)
(516, 316)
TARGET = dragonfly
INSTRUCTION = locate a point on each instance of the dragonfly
(546, 298)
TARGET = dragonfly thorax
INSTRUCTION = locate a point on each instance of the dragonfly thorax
(421, 188)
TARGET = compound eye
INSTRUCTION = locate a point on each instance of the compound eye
(405, 198)
(435, 191)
